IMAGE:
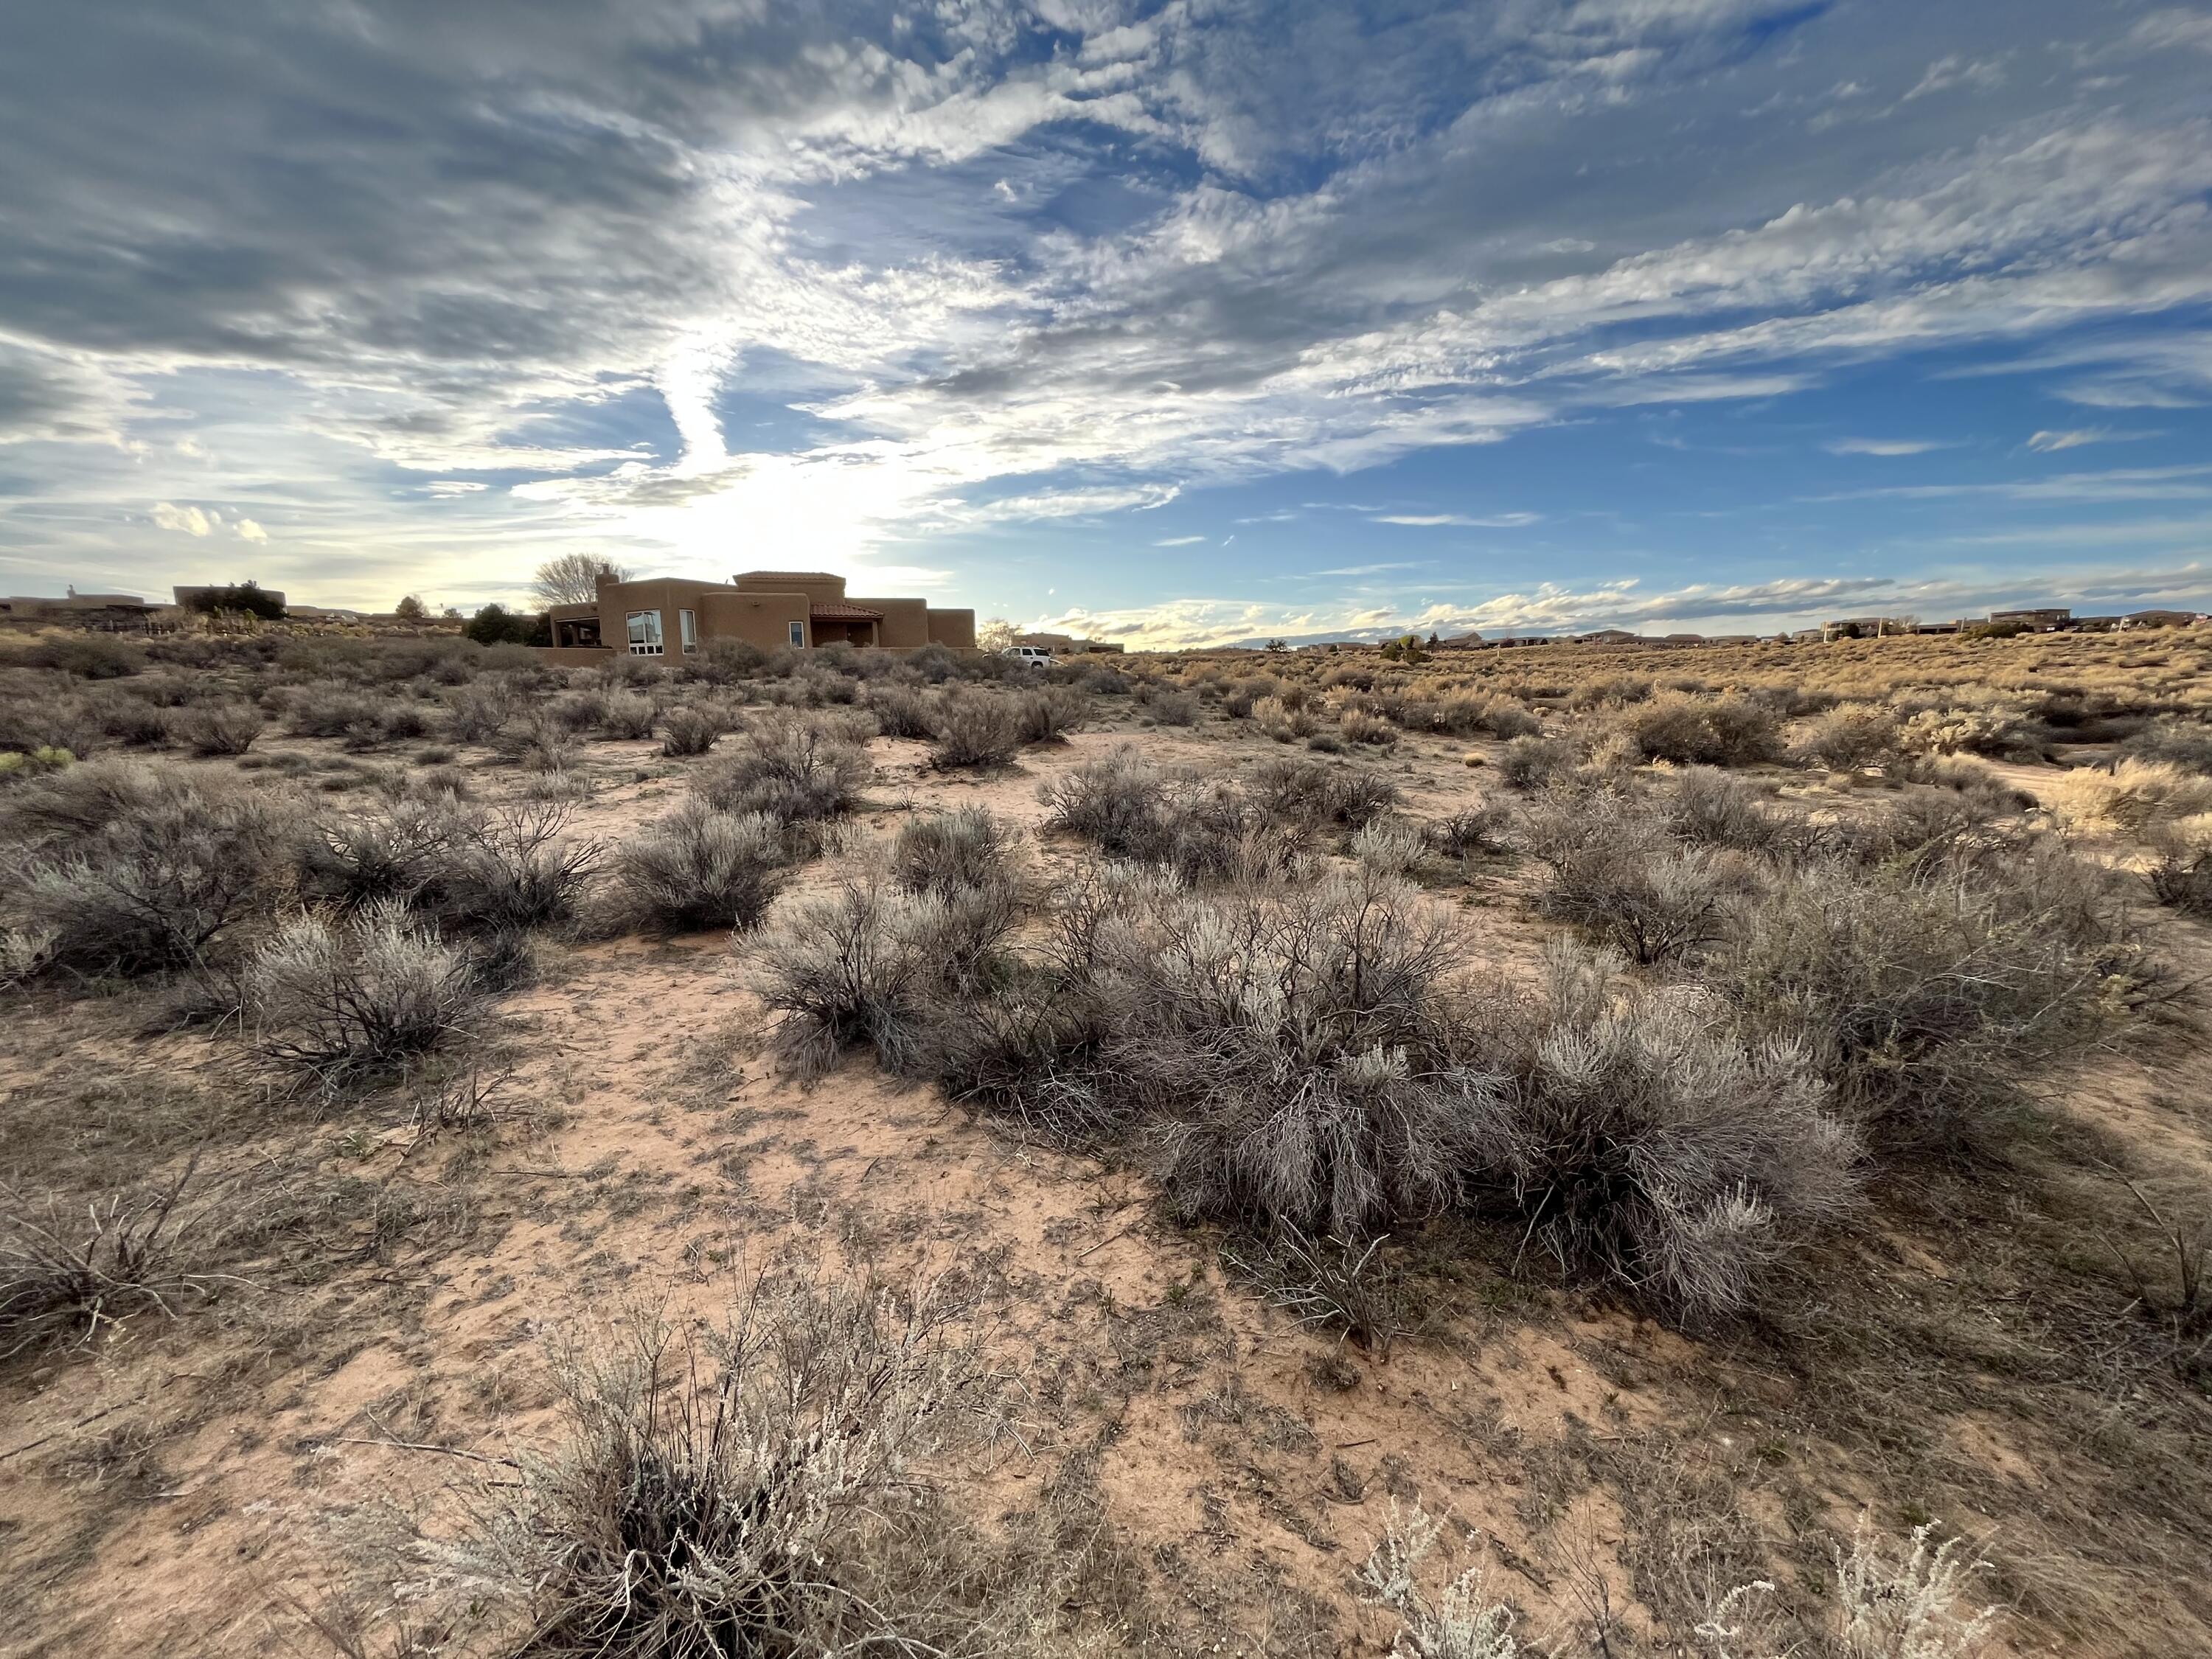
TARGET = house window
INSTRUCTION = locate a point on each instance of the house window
(688, 625)
(645, 634)
(799, 634)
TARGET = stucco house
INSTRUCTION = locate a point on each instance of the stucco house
(672, 616)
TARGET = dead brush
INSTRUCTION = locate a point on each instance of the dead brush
(979, 729)
(797, 769)
(1353, 1286)
(63, 1277)
(343, 1002)
(763, 1487)
(2178, 1298)
(697, 868)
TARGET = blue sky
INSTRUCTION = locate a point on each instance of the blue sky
(1179, 323)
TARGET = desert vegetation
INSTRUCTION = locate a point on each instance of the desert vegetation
(1550, 1153)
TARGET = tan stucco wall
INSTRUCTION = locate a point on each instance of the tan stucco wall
(819, 585)
(906, 622)
(760, 619)
(955, 629)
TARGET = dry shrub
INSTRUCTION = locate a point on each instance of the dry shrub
(1357, 725)
(866, 966)
(511, 867)
(628, 714)
(1278, 719)
(1706, 731)
(1656, 1152)
(975, 729)
(1389, 846)
(1850, 737)
(1204, 828)
(1477, 829)
(951, 851)
(1994, 729)
(698, 867)
(126, 868)
(2132, 797)
(763, 1487)
(692, 728)
(1531, 762)
(1928, 992)
(795, 768)
(2180, 875)
(1709, 807)
(1310, 795)
(68, 1270)
(1171, 705)
(1047, 715)
(2187, 745)
(1614, 872)
(1611, 691)
(1305, 1052)
(901, 712)
(538, 741)
(475, 712)
(342, 1001)
(1236, 702)
(221, 728)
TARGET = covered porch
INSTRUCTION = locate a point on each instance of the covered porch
(830, 622)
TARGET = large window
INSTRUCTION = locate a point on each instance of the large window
(645, 634)
(688, 627)
(799, 633)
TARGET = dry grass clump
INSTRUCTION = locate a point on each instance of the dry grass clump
(1314, 794)
(1530, 762)
(965, 849)
(2132, 796)
(1278, 719)
(124, 868)
(470, 869)
(343, 1001)
(901, 711)
(1203, 828)
(2181, 875)
(699, 867)
(1359, 725)
(771, 1486)
(1048, 714)
(1478, 828)
(797, 768)
(630, 714)
(66, 1272)
(1709, 807)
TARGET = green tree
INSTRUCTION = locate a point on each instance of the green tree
(496, 625)
(412, 609)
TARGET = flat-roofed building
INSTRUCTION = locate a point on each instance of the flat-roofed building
(802, 609)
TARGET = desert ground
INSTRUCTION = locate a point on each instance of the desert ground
(1610, 1151)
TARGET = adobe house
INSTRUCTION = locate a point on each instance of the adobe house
(804, 610)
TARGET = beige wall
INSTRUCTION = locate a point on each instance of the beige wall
(760, 619)
(955, 628)
(906, 622)
(816, 585)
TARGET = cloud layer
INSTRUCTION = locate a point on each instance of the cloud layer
(392, 292)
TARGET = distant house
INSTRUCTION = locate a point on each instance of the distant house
(1733, 639)
(1809, 636)
(89, 607)
(323, 613)
(804, 610)
(1065, 645)
(2046, 619)
(2158, 619)
(1682, 639)
(1607, 636)
(1512, 640)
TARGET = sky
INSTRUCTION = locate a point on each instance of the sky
(1177, 324)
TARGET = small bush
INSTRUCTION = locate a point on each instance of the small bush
(691, 729)
(1236, 702)
(1357, 725)
(1654, 1151)
(345, 1002)
(1850, 738)
(131, 869)
(1048, 715)
(1389, 847)
(2186, 745)
(1473, 829)
(67, 1270)
(1278, 719)
(951, 852)
(864, 967)
(796, 768)
(1531, 762)
(223, 728)
(1312, 795)
(1614, 872)
(1709, 807)
(699, 868)
(902, 712)
(629, 714)
(88, 656)
(1709, 731)
(2180, 875)
(724, 662)
(1171, 706)
(475, 712)
(976, 729)
(2132, 797)
(762, 1489)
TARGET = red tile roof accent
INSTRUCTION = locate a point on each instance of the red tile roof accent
(843, 613)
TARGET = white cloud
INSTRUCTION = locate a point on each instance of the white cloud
(1495, 521)
(2049, 442)
(1180, 541)
(189, 519)
(249, 531)
(1883, 446)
